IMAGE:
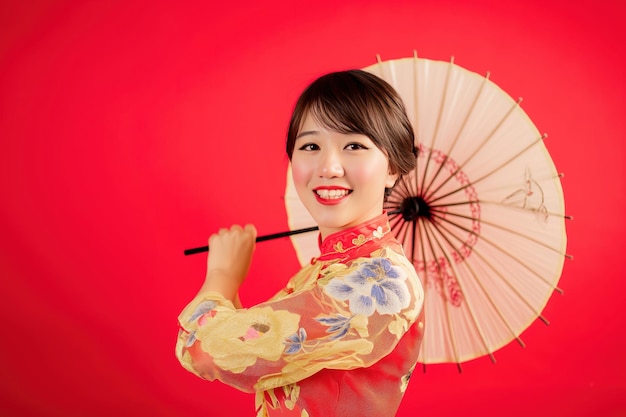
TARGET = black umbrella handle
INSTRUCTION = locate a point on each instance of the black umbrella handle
(258, 239)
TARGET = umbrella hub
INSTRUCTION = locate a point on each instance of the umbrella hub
(413, 207)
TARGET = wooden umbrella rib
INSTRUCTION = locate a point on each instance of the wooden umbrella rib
(437, 124)
(397, 226)
(424, 188)
(479, 148)
(447, 313)
(483, 238)
(404, 188)
(546, 178)
(415, 91)
(426, 192)
(407, 188)
(414, 251)
(490, 173)
(486, 293)
(506, 229)
(497, 203)
(425, 280)
(505, 252)
(511, 287)
(416, 121)
(426, 238)
(491, 134)
(470, 307)
(392, 203)
(395, 222)
(401, 191)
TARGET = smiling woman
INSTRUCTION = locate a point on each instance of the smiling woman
(340, 178)
(345, 151)
(349, 324)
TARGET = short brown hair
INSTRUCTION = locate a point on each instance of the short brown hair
(357, 102)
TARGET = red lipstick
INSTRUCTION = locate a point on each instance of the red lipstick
(331, 196)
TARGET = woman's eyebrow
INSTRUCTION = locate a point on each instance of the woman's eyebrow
(306, 133)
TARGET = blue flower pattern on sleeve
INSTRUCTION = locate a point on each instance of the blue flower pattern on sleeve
(295, 341)
(338, 325)
(375, 286)
(202, 311)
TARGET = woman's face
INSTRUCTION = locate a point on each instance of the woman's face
(340, 178)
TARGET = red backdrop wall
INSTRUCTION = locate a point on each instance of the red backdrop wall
(132, 130)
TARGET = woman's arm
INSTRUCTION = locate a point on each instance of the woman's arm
(229, 261)
(291, 337)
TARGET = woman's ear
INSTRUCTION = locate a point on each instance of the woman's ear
(391, 180)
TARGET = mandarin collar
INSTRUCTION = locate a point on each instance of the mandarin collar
(337, 244)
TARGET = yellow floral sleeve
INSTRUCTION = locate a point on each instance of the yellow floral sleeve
(337, 315)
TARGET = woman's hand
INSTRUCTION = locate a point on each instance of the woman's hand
(229, 260)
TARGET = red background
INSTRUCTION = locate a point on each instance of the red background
(131, 130)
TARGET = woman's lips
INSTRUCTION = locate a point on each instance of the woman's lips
(331, 195)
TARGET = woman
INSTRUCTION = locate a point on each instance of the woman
(342, 337)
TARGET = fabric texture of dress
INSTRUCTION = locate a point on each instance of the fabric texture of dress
(340, 340)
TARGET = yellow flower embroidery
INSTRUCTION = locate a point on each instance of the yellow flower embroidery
(260, 404)
(292, 393)
(359, 240)
(359, 323)
(345, 352)
(343, 355)
(339, 247)
(247, 336)
(398, 327)
(331, 271)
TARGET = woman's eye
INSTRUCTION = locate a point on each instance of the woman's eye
(355, 146)
(309, 147)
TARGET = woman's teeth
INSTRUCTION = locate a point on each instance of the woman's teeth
(332, 194)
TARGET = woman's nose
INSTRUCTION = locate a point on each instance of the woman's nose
(330, 165)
